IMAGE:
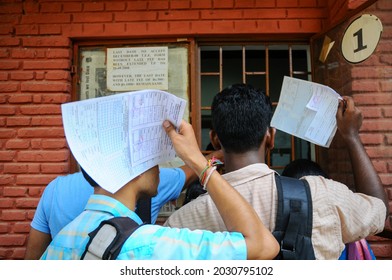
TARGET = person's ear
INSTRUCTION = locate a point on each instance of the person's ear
(270, 138)
(215, 140)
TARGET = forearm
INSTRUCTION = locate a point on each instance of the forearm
(366, 178)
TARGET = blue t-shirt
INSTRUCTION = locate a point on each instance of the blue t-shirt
(149, 242)
(66, 196)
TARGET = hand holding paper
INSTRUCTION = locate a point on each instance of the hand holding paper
(307, 110)
(116, 138)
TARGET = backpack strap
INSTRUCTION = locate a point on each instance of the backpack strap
(294, 218)
(108, 238)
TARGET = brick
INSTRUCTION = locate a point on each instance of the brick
(264, 13)
(22, 75)
(6, 29)
(31, 7)
(47, 121)
(6, 156)
(22, 203)
(115, 29)
(365, 85)
(45, 87)
(136, 16)
(35, 191)
(9, 64)
(40, 109)
(4, 52)
(223, 4)
(21, 227)
(12, 240)
(58, 75)
(57, 168)
(386, 179)
(8, 87)
(371, 112)
(137, 5)
(379, 152)
(58, 53)
(45, 18)
(47, 64)
(201, 4)
(9, 41)
(27, 29)
(158, 5)
(4, 228)
(137, 28)
(55, 98)
(72, 7)
(219, 15)
(373, 138)
(6, 203)
(92, 17)
(180, 4)
(32, 179)
(13, 215)
(14, 19)
(54, 143)
(15, 144)
(11, 8)
(93, 29)
(94, 6)
(14, 192)
(38, 132)
(54, 41)
(15, 168)
(387, 111)
(3, 76)
(302, 13)
(18, 253)
(289, 26)
(373, 99)
(115, 6)
(18, 121)
(42, 156)
(20, 98)
(179, 15)
(51, 7)
(49, 29)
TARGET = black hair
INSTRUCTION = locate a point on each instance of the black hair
(241, 115)
(88, 178)
(303, 167)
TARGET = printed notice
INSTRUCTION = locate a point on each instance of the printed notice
(137, 68)
(115, 138)
(307, 110)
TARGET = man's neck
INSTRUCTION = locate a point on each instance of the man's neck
(235, 161)
(126, 198)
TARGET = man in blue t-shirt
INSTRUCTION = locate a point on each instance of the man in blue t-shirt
(66, 196)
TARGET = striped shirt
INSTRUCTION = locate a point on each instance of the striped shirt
(151, 242)
(340, 216)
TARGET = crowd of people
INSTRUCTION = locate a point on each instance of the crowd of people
(235, 214)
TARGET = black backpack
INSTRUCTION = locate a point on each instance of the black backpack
(293, 229)
(294, 219)
(108, 238)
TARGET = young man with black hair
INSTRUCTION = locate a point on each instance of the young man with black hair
(241, 117)
(247, 238)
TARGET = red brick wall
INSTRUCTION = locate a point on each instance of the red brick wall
(35, 78)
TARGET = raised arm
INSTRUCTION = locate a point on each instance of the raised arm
(349, 121)
(236, 212)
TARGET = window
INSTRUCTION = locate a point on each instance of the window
(263, 66)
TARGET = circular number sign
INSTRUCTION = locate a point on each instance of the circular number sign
(361, 38)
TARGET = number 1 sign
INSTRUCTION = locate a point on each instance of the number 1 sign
(361, 38)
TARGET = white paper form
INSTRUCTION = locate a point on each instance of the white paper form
(116, 138)
(307, 110)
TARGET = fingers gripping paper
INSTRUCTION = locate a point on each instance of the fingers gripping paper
(118, 137)
(307, 110)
